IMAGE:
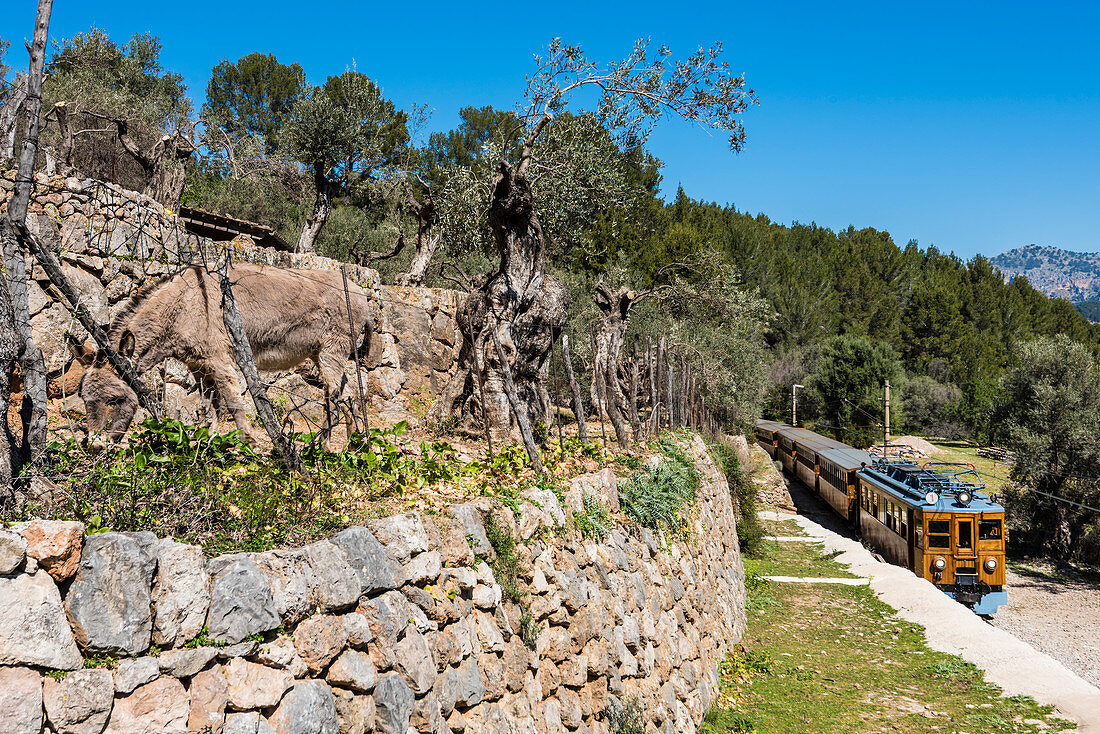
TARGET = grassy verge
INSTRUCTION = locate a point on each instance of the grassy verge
(993, 473)
(834, 659)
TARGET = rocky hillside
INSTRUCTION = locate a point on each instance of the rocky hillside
(1071, 275)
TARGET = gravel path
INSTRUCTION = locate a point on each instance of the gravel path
(1057, 616)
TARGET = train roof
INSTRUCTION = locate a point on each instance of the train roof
(770, 425)
(817, 443)
(913, 484)
(793, 434)
(847, 458)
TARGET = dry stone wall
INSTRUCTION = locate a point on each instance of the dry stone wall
(111, 241)
(394, 628)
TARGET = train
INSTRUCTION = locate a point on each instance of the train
(932, 518)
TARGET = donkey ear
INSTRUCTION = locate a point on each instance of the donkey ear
(84, 353)
(126, 345)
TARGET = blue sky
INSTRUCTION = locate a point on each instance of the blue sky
(971, 126)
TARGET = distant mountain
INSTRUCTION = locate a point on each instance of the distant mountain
(1074, 276)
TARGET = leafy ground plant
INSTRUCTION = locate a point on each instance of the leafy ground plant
(656, 496)
(750, 531)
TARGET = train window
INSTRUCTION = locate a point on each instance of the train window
(989, 530)
(939, 541)
(966, 534)
(942, 527)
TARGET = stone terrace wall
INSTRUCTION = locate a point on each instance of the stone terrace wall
(112, 240)
(394, 628)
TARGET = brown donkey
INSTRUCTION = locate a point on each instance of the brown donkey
(289, 316)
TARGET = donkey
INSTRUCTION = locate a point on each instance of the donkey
(289, 316)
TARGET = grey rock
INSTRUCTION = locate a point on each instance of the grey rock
(135, 672)
(154, 708)
(393, 701)
(359, 634)
(403, 535)
(307, 708)
(20, 701)
(280, 653)
(389, 614)
(548, 502)
(13, 550)
(109, 604)
(413, 660)
(470, 518)
(369, 559)
(180, 595)
(240, 650)
(80, 702)
(354, 670)
(287, 572)
(423, 569)
(241, 603)
(186, 662)
(33, 628)
(253, 686)
(249, 723)
(335, 585)
(462, 686)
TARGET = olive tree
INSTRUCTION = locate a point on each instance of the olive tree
(1048, 415)
(510, 321)
(342, 132)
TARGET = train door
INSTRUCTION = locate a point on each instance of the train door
(911, 543)
(966, 555)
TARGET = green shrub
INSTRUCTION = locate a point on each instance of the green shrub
(595, 522)
(507, 564)
(750, 531)
(628, 718)
(655, 497)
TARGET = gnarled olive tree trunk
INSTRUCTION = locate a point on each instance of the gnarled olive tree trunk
(520, 304)
(607, 393)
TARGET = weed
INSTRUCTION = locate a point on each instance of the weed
(57, 675)
(595, 522)
(203, 639)
(718, 720)
(100, 660)
(529, 629)
(655, 497)
(507, 564)
(750, 531)
(628, 718)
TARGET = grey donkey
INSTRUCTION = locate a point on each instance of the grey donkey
(289, 316)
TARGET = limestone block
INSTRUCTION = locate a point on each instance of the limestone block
(353, 670)
(369, 559)
(135, 672)
(186, 662)
(55, 544)
(33, 628)
(253, 686)
(423, 569)
(318, 640)
(288, 574)
(13, 551)
(356, 712)
(180, 594)
(209, 696)
(334, 583)
(393, 701)
(79, 703)
(403, 535)
(413, 660)
(241, 603)
(20, 701)
(154, 708)
(248, 723)
(474, 528)
(307, 708)
(280, 653)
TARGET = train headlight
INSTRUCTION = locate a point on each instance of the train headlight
(990, 564)
(963, 498)
(939, 564)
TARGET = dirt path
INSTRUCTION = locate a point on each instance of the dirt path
(1058, 616)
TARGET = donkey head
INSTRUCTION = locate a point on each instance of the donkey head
(109, 403)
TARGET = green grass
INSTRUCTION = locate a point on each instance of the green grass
(782, 527)
(993, 472)
(836, 660)
(794, 559)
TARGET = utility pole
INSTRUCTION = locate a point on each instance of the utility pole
(886, 419)
(794, 404)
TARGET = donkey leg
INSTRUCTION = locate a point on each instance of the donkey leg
(229, 391)
(335, 380)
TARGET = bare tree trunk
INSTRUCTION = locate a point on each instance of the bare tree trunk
(519, 305)
(322, 207)
(15, 264)
(517, 409)
(11, 346)
(426, 242)
(578, 403)
(163, 165)
(242, 349)
(635, 419)
(615, 410)
(9, 117)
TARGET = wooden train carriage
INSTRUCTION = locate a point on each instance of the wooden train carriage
(808, 449)
(938, 527)
(765, 436)
(786, 449)
(837, 480)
